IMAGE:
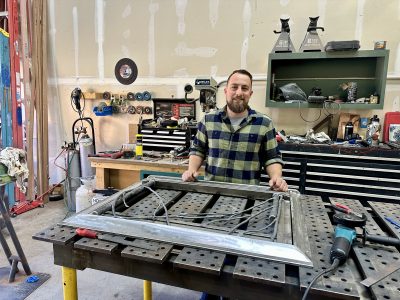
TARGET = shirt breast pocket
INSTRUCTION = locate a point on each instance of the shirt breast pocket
(253, 138)
(250, 143)
(220, 140)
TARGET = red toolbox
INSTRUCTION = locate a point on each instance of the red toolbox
(390, 118)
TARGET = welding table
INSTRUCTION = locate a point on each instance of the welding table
(303, 221)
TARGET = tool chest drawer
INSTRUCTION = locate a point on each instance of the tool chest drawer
(362, 177)
(165, 139)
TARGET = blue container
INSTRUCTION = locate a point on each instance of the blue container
(106, 111)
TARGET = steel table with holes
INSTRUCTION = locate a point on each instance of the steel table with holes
(303, 221)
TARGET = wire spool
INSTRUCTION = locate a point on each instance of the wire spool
(146, 96)
(139, 109)
(131, 110)
(139, 96)
(106, 95)
(148, 110)
(130, 96)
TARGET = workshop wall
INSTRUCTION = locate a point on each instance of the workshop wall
(173, 42)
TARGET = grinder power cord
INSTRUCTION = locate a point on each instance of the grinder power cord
(345, 235)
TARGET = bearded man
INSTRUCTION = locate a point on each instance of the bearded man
(237, 142)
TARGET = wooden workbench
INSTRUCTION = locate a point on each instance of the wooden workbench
(120, 173)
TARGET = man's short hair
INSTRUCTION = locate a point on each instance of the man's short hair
(241, 71)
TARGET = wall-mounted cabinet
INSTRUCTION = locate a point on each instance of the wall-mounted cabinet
(327, 71)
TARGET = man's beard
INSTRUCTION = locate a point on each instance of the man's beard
(237, 106)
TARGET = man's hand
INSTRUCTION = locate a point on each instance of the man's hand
(190, 175)
(278, 184)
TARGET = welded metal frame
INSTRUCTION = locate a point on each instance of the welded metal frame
(183, 236)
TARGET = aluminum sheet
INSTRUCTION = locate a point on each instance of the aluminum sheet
(224, 243)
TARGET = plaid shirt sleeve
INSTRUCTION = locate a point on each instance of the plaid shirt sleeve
(271, 149)
(199, 144)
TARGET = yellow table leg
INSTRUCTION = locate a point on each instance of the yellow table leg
(69, 284)
(147, 290)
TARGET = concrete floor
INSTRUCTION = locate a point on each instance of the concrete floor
(92, 284)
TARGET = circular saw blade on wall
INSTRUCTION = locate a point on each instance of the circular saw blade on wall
(126, 71)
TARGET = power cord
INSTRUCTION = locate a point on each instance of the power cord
(329, 104)
(307, 121)
(333, 267)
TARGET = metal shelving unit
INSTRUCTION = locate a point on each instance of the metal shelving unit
(328, 70)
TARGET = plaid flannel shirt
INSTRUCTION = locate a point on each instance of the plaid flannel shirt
(236, 156)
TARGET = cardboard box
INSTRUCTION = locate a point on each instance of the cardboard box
(132, 132)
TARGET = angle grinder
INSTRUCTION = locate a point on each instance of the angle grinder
(345, 234)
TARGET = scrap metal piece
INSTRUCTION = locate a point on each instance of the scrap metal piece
(380, 275)
(137, 251)
(96, 245)
(194, 238)
(262, 271)
(200, 260)
(60, 235)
